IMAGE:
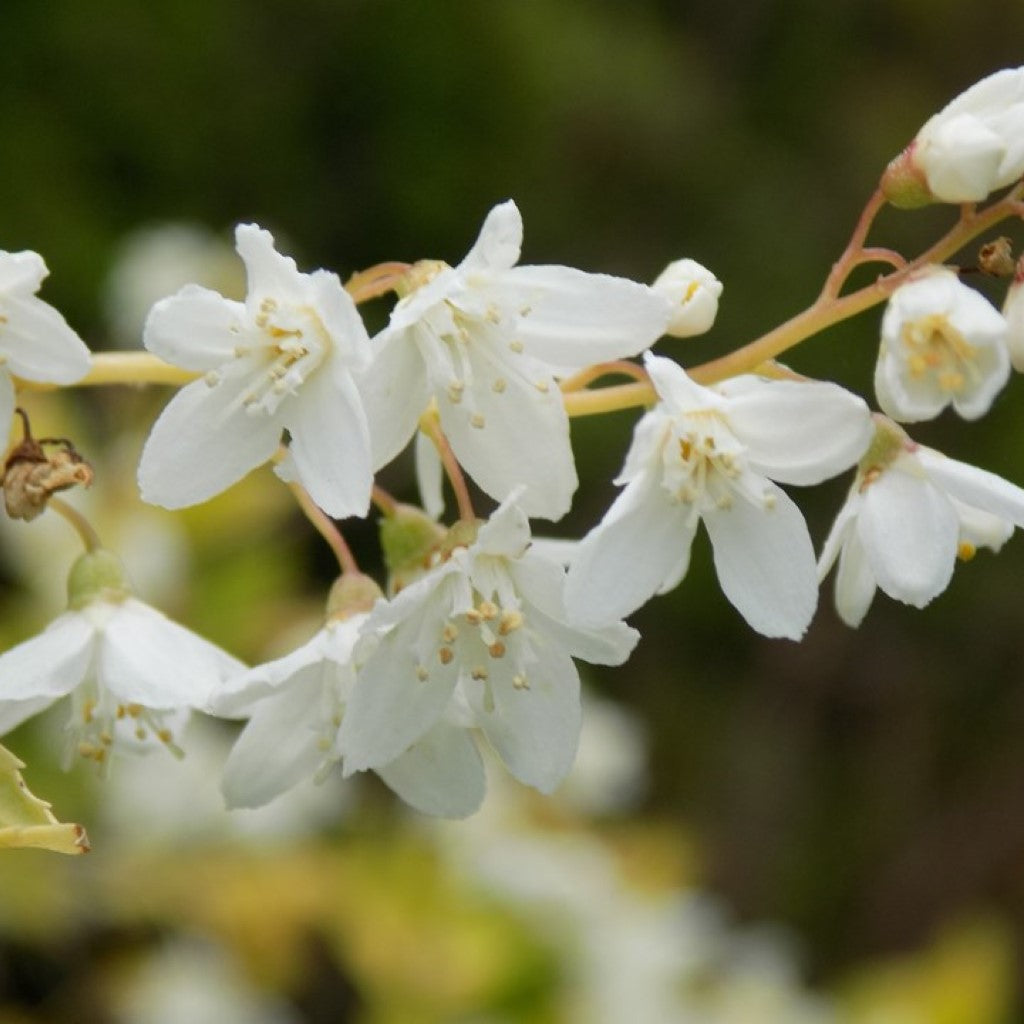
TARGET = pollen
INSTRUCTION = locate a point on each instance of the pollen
(511, 620)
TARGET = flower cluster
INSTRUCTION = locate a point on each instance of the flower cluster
(484, 363)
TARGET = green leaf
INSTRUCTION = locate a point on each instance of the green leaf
(25, 820)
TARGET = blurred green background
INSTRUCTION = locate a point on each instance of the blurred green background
(865, 788)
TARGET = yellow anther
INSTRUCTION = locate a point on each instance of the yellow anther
(511, 619)
(488, 610)
(542, 386)
(479, 673)
(449, 633)
(105, 738)
(445, 654)
(473, 617)
(477, 420)
(499, 385)
(966, 551)
(497, 649)
(516, 345)
(164, 735)
(422, 674)
(140, 733)
(520, 682)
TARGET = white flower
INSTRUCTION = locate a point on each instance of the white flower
(282, 360)
(296, 706)
(489, 339)
(693, 291)
(126, 667)
(486, 629)
(35, 341)
(975, 145)
(942, 343)
(710, 454)
(910, 513)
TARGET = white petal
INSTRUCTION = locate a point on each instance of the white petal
(498, 244)
(50, 664)
(429, 476)
(765, 563)
(395, 393)
(38, 343)
(330, 445)
(622, 562)
(6, 402)
(535, 731)
(797, 432)
(237, 695)
(277, 749)
(269, 273)
(523, 439)
(391, 707)
(196, 328)
(14, 712)
(202, 443)
(975, 486)
(21, 273)
(676, 390)
(568, 319)
(506, 533)
(340, 319)
(144, 658)
(909, 531)
(837, 535)
(440, 774)
(541, 584)
(855, 582)
(903, 397)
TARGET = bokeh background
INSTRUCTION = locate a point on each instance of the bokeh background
(840, 821)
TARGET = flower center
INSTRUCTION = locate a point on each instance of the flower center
(292, 343)
(937, 349)
(703, 464)
(99, 721)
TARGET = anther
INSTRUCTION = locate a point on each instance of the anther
(496, 650)
(477, 420)
(479, 673)
(446, 654)
(488, 610)
(516, 345)
(520, 682)
(449, 633)
(422, 674)
(499, 385)
(511, 619)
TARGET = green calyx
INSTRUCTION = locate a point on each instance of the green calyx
(95, 576)
(903, 184)
(886, 445)
(351, 594)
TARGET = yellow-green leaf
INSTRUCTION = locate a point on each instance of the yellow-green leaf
(25, 820)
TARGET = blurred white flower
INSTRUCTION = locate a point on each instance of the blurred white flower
(710, 454)
(36, 342)
(973, 146)
(693, 291)
(910, 513)
(156, 261)
(942, 343)
(488, 340)
(283, 360)
(127, 669)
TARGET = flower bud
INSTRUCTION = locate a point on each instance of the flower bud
(95, 576)
(693, 291)
(971, 148)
